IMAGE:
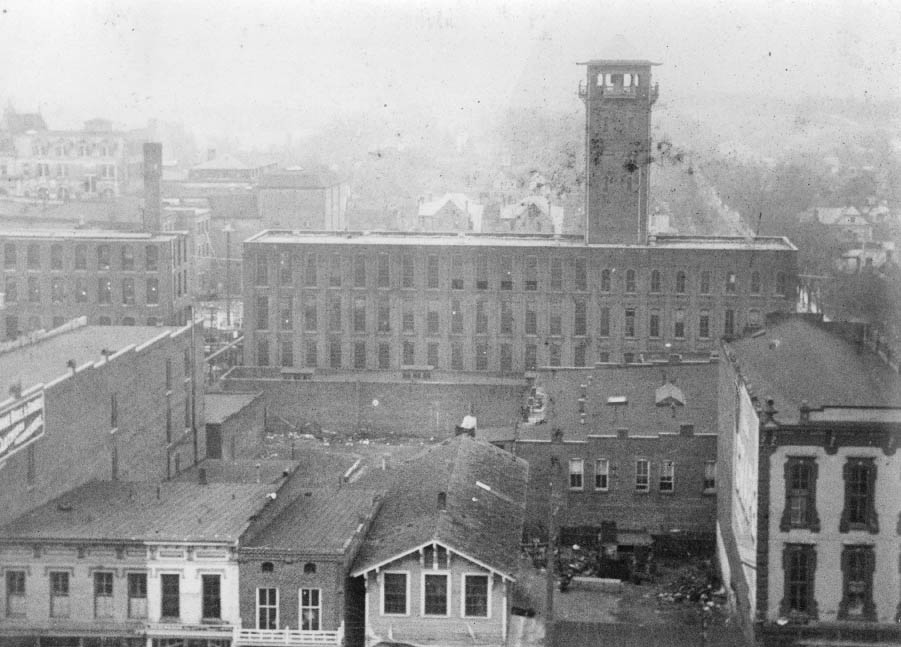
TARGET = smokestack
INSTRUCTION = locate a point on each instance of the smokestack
(153, 173)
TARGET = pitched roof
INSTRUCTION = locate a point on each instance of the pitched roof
(627, 397)
(485, 489)
(112, 510)
(315, 521)
(224, 162)
(797, 360)
(219, 407)
(459, 200)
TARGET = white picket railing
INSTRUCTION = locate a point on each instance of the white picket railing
(292, 637)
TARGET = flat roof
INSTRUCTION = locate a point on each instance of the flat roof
(219, 407)
(143, 511)
(86, 234)
(285, 237)
(625, 62)
(43, 360)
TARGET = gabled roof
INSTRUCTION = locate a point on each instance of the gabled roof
(798, 360)
(485, 490)
(459, 200)
(668, 394)
(141, 512)
(219, 407)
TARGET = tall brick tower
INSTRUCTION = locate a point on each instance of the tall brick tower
(618, 97)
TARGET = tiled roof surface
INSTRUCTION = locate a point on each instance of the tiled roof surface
(799, 360)
(639, 384)
(316, 521)
(133, 512)
(219, 407)
(485, 525)
(45, 360)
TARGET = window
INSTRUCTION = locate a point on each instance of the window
(408, 317)
(334, 353)
(860, 487)
(781, 284)
(151, 258)
(705, 282)
(310, 273)
(556, 274)
(605, 280)
(755, 282)
(630, 322)
(407, 271)
(334, 313)
(394, 594)
(580, 275)
(431, 272)
(481, 272)
(580, 327)
(754, 320)
(409, 353)
(261, 276)
(384, 355)
(360, 354)
(858, 564)
(383, 276)
(704, 325)
(680, 282)
(654, 324)
(104, 290)
(435, 594)
(9, 256)
(262, 352)
(530, 360)
(267, 608)
(12, 293)
(642, 475)
(285, 268)
(799, 564)
(506, 272)
(286, 312)
(579, 353)
(729, 322)
(679, 324)
(334, 272)
(667, 476)
(554, 355)
(555, 318)
(103, 594)
(33, 257)
(432, 352)
(530, 271)
(103, 257)
(384, 315)
(531, 319)
(456, 317)
(655, 281)
(456, 356)
(262, 313)
(359, 314)
(15, 593)
(212, 597)
(604, 322)
(267, 567)
(128, 258)
(630, 281)
(137, 595)
(475, 596)
(433, 323)
(310, 609)
(59, 594)
(456, 272)
(311, 358)
(359, 271)
(602, 474)
(310, 314)
(576, 473)
(34, 289)
(128, 291)
(731, 282)
(709, 476)
(506, 318)
(481, 357)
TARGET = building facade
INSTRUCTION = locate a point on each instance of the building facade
(301, 199)
(503, 304)
(89, 402)
(112, 278)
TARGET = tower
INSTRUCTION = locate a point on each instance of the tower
(618, 97)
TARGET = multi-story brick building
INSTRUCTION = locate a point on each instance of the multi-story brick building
(90, 402)
(500, 303)
(112, 278)
(303, 199)
(809, 506)
(510, 303)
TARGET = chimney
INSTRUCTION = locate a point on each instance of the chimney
(153, 173)
(210, 154)
(442, 501)
(201, 476)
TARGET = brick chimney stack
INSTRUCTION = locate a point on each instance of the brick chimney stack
(153, 175)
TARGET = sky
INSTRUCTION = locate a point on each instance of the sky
(260, 71)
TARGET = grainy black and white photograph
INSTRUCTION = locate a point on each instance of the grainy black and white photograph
(450, 323)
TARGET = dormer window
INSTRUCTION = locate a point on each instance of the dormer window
(669, 394)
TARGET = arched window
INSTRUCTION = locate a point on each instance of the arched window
(680, 282)
(309, 568)
(655, 281)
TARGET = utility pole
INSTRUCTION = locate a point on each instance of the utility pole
(553, 508)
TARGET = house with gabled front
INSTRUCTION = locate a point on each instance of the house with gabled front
(441, 556)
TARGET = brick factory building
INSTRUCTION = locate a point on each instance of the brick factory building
(511, 303)
(92, 402)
